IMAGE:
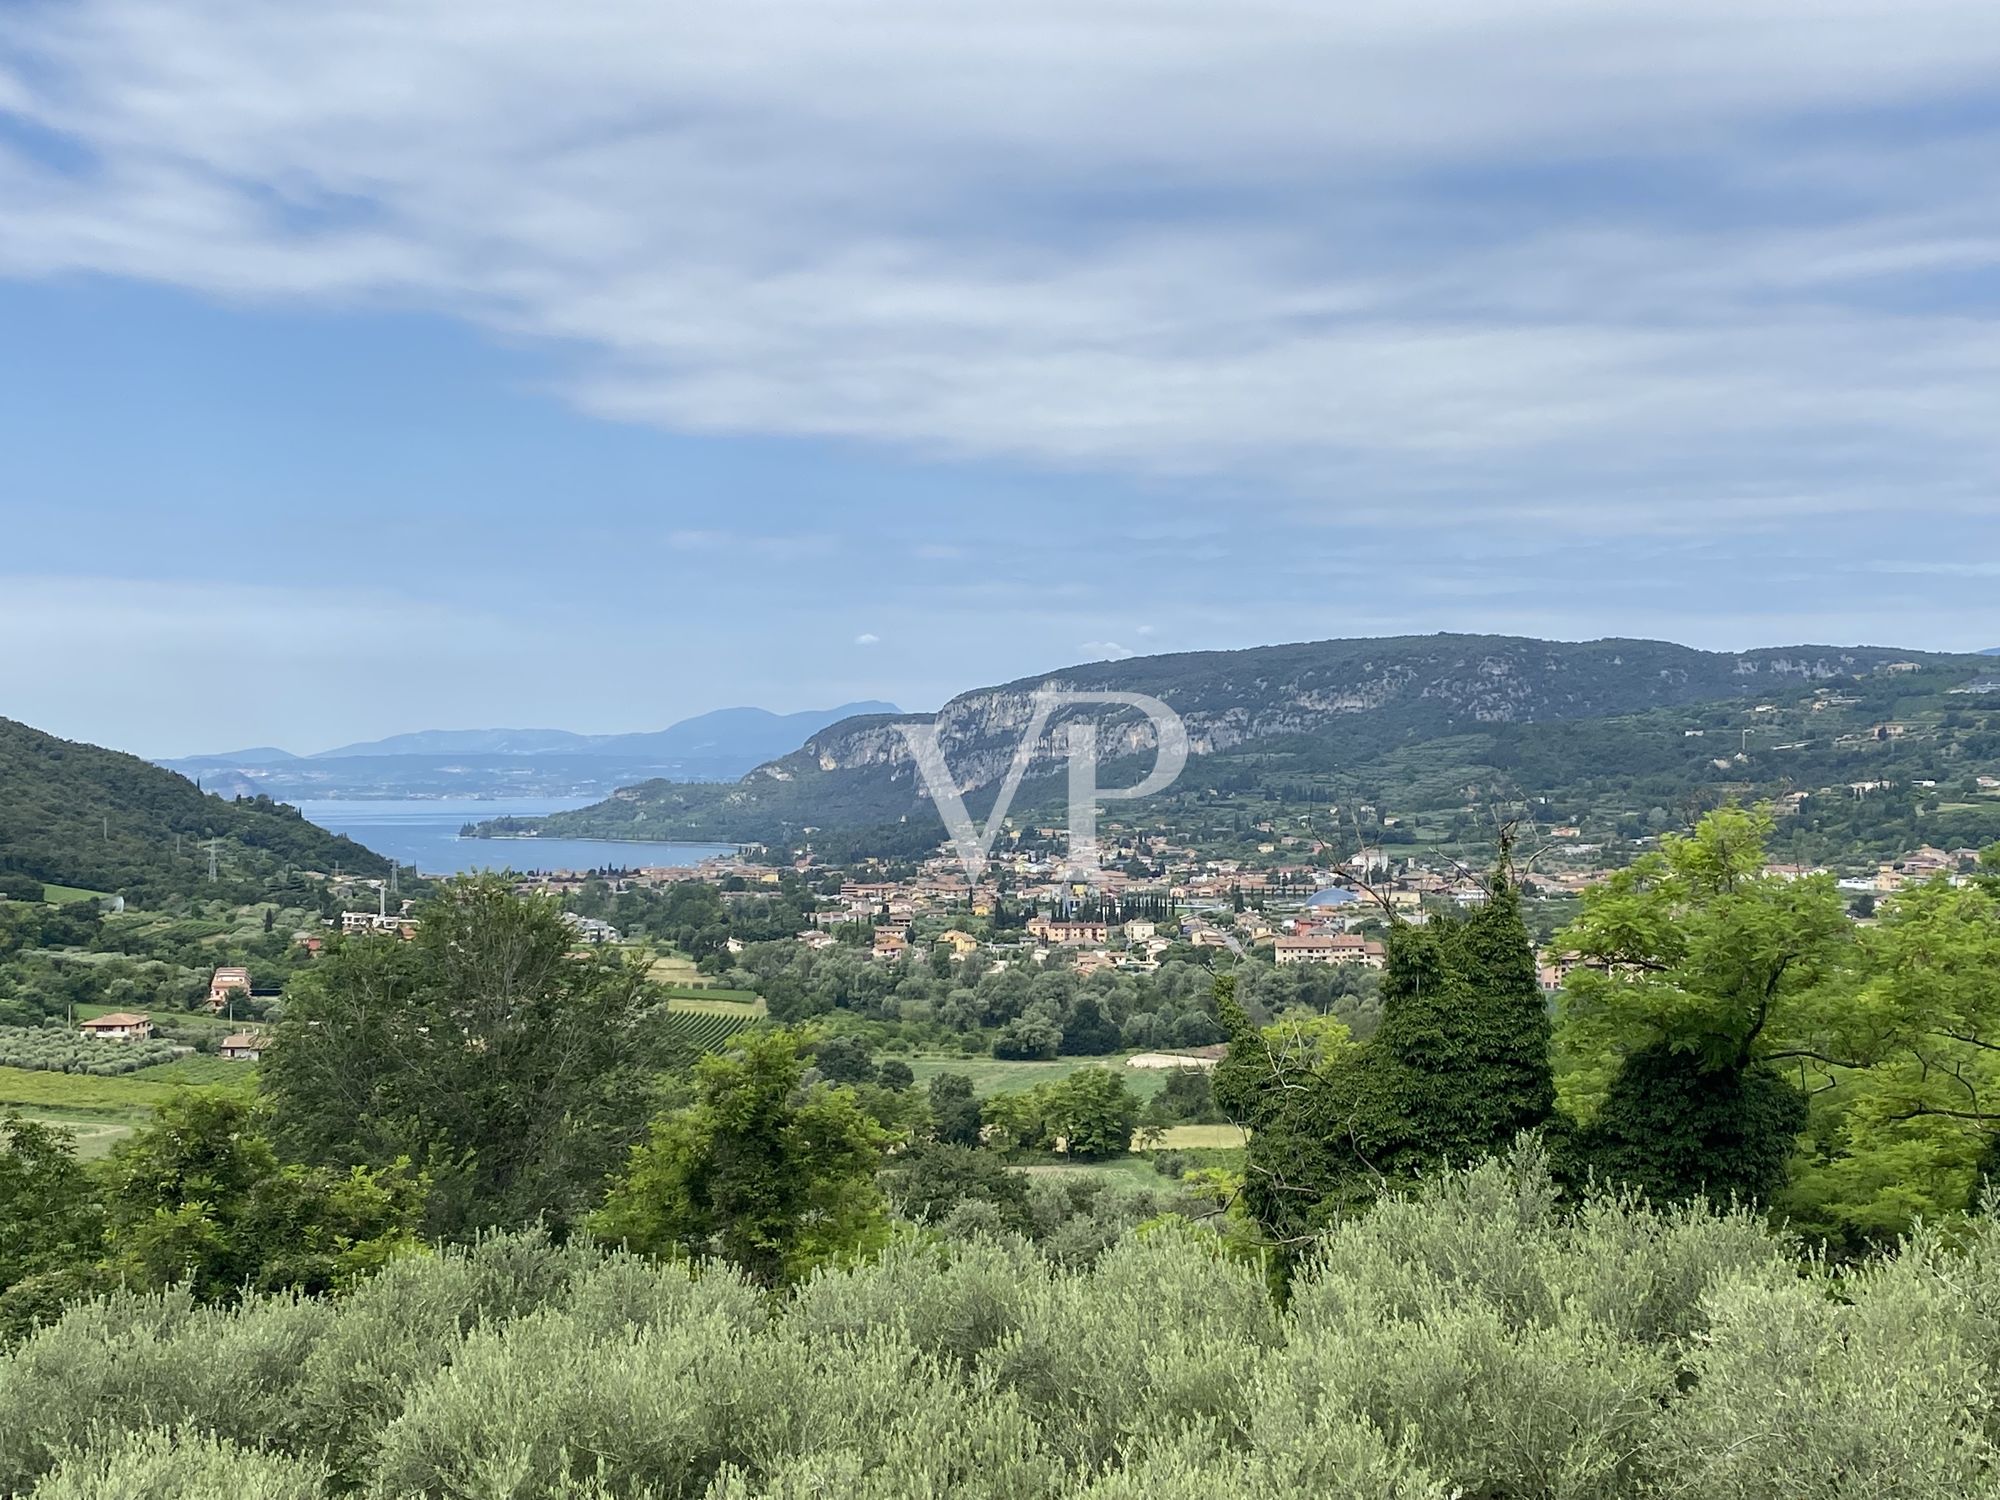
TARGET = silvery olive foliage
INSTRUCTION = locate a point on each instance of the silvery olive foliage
(1482, 1338)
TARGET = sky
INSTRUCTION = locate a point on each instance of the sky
(398, 364)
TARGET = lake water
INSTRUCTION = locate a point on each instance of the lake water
(424, 833)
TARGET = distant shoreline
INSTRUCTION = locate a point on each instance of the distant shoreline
(581, 838)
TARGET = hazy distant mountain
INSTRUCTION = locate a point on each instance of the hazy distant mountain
(464, 742)
(261, 755)
(732, 732)
(1991, 651)
(727, 732)
(718, 746)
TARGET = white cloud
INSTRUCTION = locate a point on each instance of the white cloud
(1107, 651)
(867, 638)
(1281, 241)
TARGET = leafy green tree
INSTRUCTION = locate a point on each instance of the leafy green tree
(1300, 1092)
(761, 1170)
(1091, 1113)
(1187, 1095)
(1028, 1039)
(1702, 975)
(199, 1196)
(954, 1109)
(930, 1180)
(509, 1070)
(1904, 1069)
(845, 1059)
(1088, 1032)
(1015, 1121)
(1673, 1127)
(50, 1213)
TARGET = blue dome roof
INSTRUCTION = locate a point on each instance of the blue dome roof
(1333, 895)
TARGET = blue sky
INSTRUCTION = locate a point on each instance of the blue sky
(400, 365)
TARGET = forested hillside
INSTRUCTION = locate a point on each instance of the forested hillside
(79, 815)
(1603, 732)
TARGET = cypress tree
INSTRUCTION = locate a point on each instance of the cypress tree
(1461, 1063)
(1459, 1066)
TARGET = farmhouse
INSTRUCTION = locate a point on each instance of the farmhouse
(122, 1027)
(225, 983)
(245, 1046)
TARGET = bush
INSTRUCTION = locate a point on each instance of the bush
(1481, 1338)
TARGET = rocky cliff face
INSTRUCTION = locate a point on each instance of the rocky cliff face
(1228, 698)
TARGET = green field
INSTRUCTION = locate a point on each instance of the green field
(992, 1075)
(200, 1071)
(1135, 1170)
(64, 893)
(131, 1098)
(704, 992)
(1198, 1138)
(93, 1137)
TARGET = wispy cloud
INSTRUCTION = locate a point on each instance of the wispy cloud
(1538, 259)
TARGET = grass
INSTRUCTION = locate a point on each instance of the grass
(68, 893)
(1130, 1169)
(993, 1075)
(128, 1099)
(674, 969)
(93, 1138)
(198, 1071)
(1198, 1138)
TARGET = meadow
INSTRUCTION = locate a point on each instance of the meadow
(994, 1075)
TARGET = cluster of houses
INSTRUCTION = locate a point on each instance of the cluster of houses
(1924, 865)
(354, 922)
(592, 931)
(227, 987)
(1294, 913)
(126, 1026)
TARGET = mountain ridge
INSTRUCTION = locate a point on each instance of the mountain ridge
(1376, 692)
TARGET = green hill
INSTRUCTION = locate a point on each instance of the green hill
(79, 815)
(1279, 725)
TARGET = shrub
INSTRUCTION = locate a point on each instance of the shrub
(1478, 1338)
